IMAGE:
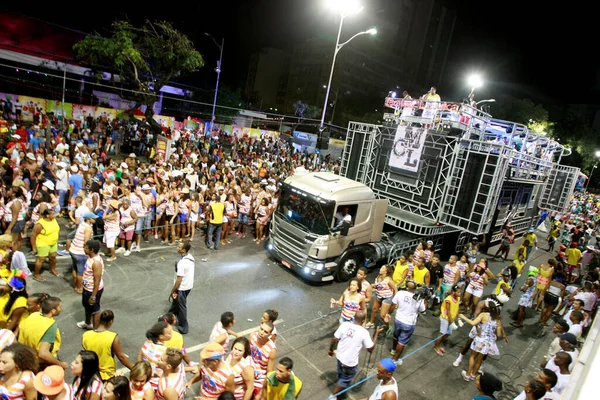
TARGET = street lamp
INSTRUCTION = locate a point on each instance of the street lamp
(345, 8)
(474, 82)
(218, 69)
(592, 172)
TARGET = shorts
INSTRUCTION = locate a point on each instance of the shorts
(345, 374)
(225, 219)
(71, 235)
(551, 299)
(342, 319)
(110, 238)
(474, 292)
(243, 218)
(127, 235)
(19, 227)
(403, 332)
(45, 251)
(445, 327)
(193, 216)
(79, 261)
(386, 300)
(85, 297)
(139, 225)
(182, 218)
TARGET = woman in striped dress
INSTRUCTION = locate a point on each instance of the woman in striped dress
(87, 384)
(139, 381)
(241, 364)
(17, 366)
(153, 348)
(384, 290)
(351, 301)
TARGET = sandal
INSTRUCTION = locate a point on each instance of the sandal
(438, 352)
(55, 274)
(516, 325)
(39, 279)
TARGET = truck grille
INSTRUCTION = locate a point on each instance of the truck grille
(291, 248)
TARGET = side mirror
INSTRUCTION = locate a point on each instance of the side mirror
(345, 228)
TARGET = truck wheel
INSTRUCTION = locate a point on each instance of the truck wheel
(348, 267)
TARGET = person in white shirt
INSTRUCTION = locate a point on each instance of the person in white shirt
(567, 342)
(350, 338)
(563, 361)
(184, 282)
(549, 379)
(387, 389)
(408, 309)
(561, 326)
(575, 319)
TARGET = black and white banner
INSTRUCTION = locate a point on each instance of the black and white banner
(408, 148)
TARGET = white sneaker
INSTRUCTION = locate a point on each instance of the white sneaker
(457, 362)
(127, 253)
(133, 246)
(137, 249)
(399, 363)
(83, 325)
(120, 250)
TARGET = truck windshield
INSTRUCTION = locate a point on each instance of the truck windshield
(300, 208)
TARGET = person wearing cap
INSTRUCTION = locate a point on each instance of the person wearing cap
(530, 237)
(526, 299)
(50, 383)
(216, 375)
(172, 384)
(44, 242)
(282, 383)
(504, 285)
(387, 389)
(40, 332)
(112, 220)
(448, 314)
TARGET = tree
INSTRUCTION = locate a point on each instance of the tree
(145, 59)
(526, 112)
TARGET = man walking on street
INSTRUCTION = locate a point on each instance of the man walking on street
(93, 285)
(351, 337)
(184, 282)
(215, 224)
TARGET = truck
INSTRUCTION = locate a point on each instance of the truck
(445, 172)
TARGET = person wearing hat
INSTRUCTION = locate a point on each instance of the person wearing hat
(112, 220)
(44, 242)
(282, 383)
(83, 233)
(13, 291)
(448, 314)
(387, 389)
(40, 332)
(504, 285)
(50, 383)
(526, 299)
(531, 237)
(215, 373)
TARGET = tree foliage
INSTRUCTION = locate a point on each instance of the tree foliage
(144, 58)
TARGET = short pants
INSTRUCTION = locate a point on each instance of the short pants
(85, 297)
(44, 251)
(243, 218)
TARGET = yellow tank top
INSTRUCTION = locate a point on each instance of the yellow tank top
(176, 341)
(101, 344)
(419, 275)
(497, 290)
(216, 213)
(453, 311)
(33, 329)
(5, 318)
(398, 272)
(49, 234)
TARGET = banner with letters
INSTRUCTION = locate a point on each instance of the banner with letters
(407, 148)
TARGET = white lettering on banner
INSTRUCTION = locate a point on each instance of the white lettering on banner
(408, 148)
(305, 136)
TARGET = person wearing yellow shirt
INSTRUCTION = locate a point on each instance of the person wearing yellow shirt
(13, 301)
(432, 95)
(215, 223)
(522, 250)
(44, 242)
(573, 259)
(532, 239)
(282, 384)
(448, 314)
(401, 272)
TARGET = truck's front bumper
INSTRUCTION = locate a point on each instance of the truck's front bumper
(322, 274)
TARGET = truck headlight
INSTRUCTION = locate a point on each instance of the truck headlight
(270, 246)
(315, 265)
(320, 266)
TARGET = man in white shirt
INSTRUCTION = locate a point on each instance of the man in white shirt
(563, 362)
(575, 319)
(408, 309)
(567, 342)
(350, 337)
(184, 282)
(62, 185)
(549, 379)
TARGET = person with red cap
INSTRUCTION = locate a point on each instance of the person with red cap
(50, 383)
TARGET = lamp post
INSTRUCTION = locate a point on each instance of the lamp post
(592, 172)
(474, 82)
(218, 69)
(334, 103)
(345, 10)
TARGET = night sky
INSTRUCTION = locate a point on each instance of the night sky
(528, 49)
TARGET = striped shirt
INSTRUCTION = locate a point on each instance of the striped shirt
(238, 379)
(183, 208)
(260, 357)
(350, 307)
(152, 352)
(137, 205)
(95, 387)
(138, 394)
(213, 382)
(383, 289)
(88, 274)
(112, 225)
(35, 213)
(77, 244)
(476, 282)
(8, 211)
(7, 337)
(126, 218)
(364, 285)
(217, 331)
(17, 390)
(175, 381)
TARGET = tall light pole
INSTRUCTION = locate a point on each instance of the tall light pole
(218, 69)
(334, 103)
(345, 9)
(474, 81)
(592, 172)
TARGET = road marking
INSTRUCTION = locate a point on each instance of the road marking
(123, 371)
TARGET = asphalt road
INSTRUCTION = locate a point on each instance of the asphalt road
(240, 278)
